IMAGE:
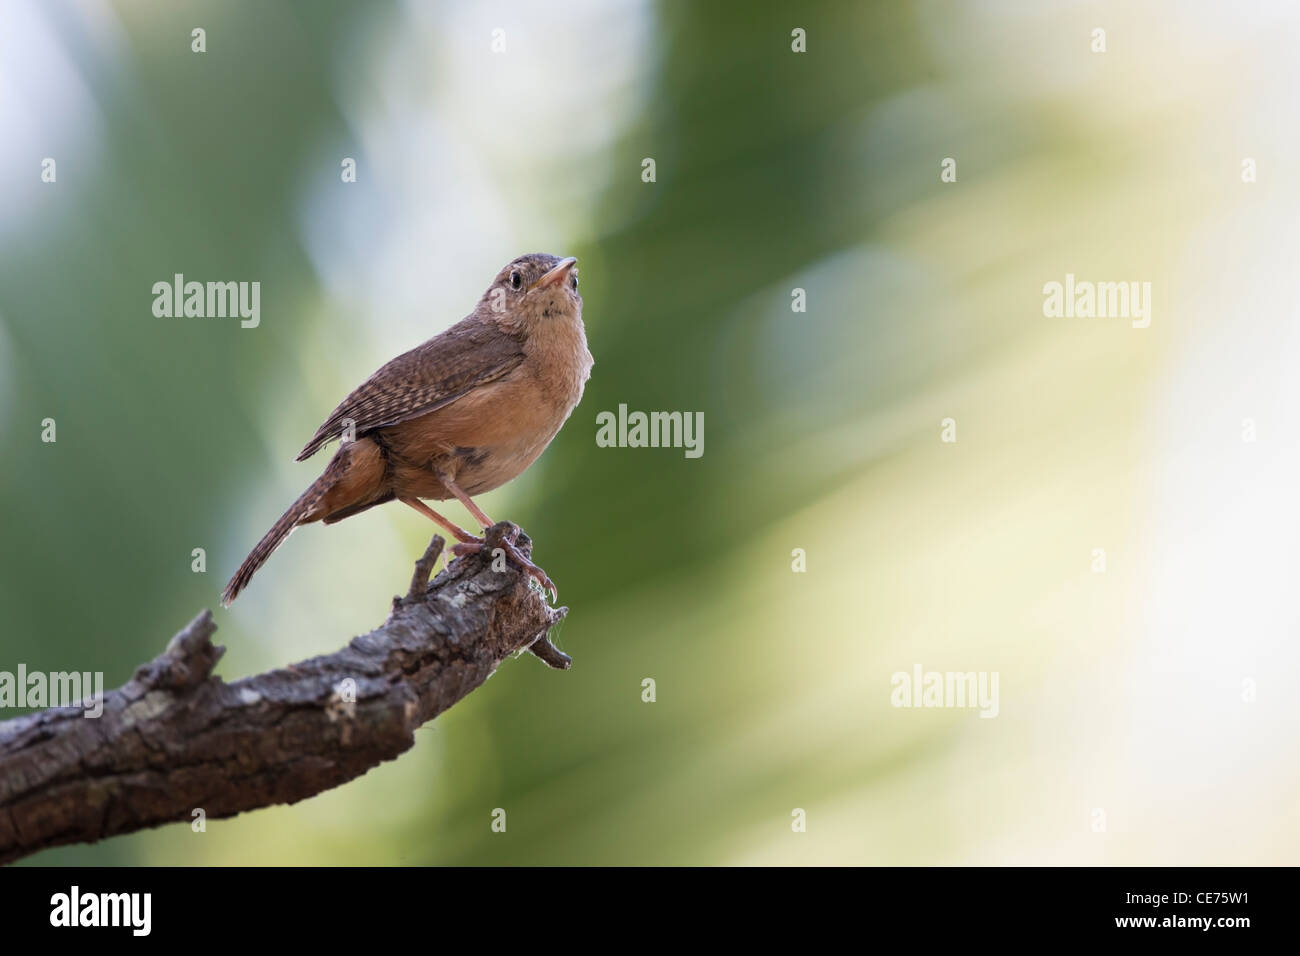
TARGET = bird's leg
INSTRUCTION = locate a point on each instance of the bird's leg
(467, 501)
(456, 531)
(507, 541)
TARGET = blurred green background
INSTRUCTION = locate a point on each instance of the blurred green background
(1123, 692)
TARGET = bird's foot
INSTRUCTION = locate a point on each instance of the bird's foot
(508, 544)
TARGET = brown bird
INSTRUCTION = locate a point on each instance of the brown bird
(455, 417)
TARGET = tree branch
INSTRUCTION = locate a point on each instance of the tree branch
(175, 738)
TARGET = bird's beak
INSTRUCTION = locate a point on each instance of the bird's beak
(556, 275)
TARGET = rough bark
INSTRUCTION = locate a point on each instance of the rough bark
(176, 738)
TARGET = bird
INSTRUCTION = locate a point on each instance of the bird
(455, 417)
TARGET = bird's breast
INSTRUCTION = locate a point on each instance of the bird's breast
(492, 434)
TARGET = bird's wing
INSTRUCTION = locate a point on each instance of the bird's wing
(470, 354)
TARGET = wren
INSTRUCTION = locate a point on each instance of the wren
(456, 417)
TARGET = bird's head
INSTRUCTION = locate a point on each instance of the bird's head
(534, 288)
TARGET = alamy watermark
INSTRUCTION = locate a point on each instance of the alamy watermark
(82, 690)
(1102, 300)
(956, 689)
(211, 300)
(651, 430)
(130, 910)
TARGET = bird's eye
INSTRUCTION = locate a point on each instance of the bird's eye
(515, 280)
(573, 280)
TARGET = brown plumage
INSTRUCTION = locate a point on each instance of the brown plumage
(461, 414)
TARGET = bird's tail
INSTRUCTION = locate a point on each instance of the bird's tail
(298, 511)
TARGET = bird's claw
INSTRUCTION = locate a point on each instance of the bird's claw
(512, 551)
